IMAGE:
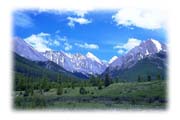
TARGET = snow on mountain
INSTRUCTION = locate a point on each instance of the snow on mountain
(25, 50)
(88, 64)
(146, 48)
(157, 44)
(93, 57)
(112, 59)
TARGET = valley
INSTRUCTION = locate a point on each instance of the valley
(90, 59)
(59, 80)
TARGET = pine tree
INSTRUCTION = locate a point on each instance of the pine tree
(59, 90)
(139, 78)
(59, 78)
(45, 84)
(107, 80)
(158, 77)
(93, 81)
(82, 91)
(100, 83)
(149, 78)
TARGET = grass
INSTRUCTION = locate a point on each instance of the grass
(101, 106)
(133, 95)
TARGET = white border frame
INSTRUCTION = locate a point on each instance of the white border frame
(6, 8)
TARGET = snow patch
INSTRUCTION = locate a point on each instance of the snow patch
(68, 54)
(112, 59)
(147, 52)
(93, 57)
(56, 61)
(157, 44)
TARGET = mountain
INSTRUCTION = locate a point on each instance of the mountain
(25, 50)
(146, 48)
(147, 58)
(21, 48)
(77, 63)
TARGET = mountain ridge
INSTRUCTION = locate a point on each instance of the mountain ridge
(89, 64)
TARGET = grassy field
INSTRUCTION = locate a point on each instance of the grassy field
(134, 95)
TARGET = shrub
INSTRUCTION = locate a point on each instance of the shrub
(26, 93)
(65, 91)
(149, 78)
(59, 90)
(20, 93)
(73, 86)
(31, 92)
(99, 87)
(18, 101)
(139, 78)
(82, 91)
(38, 101)
(46, 89)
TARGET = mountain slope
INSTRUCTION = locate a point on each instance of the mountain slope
(34, 69)
(154, 66)
(25, 50)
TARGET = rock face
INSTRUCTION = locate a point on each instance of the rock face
(88, 64)
(25, 50)
(78, 63)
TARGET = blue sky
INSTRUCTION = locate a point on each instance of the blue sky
(105, 33)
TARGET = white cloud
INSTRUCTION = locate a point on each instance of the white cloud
(22, 20)
(78, 12)
(67, 47)
(131, 43)
(57, 31)
(38, 42)
(80, 20)
(81, 13)
(51, 11)
(87, 46)
(43, 34)
(120, 51)
(104, 61)
(57, 43)
(59, 38)
(148, 19)
(43, 41)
